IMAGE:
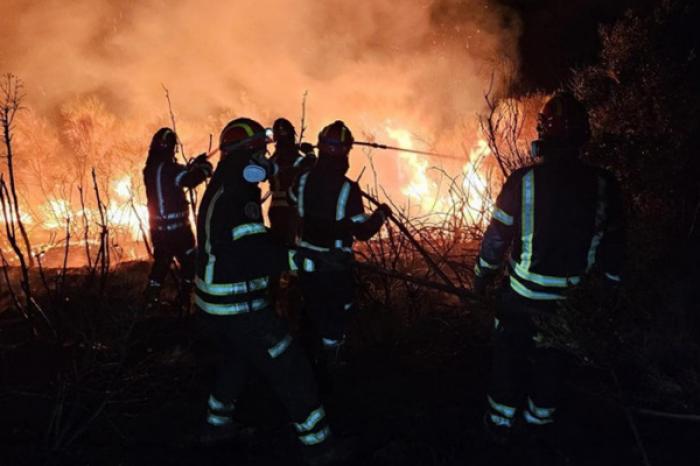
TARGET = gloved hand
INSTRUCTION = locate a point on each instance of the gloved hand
(201, 158)
(201, 162)
(307, 148)
(384, 210)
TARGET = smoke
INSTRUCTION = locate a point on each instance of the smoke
(94, 69)
(425, 63)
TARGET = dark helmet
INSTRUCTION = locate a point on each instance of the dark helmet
(282, 129)
(564, 120)
(335, 139)
(162, 145)
(242, 135)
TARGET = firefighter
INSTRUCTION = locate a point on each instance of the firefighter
(560, 219)
(330, 207)
(283, 216)
(168, 212)
(236, 258)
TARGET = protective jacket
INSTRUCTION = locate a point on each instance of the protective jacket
(330, 206)
(291, 163)
(168, 209)
(560, 219)
(236, 254)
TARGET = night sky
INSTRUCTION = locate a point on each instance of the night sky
(558, 35)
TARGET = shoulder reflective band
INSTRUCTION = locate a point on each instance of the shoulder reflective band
(522, 290)
(211, 260)
(302, 185)
(614, 278)
(280, 347)
(231, 309)
(227, 289)
(600, 215)
(248, 229)
(311, 421)
(159, 189)
(502, 217)
(528, 219)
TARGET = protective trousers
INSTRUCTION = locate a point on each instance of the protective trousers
(168, 245)
(525, 376)
(329, 301)
(260, 341)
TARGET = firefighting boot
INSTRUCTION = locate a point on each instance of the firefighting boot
(220, 426)
(499, 435)
(152, 296)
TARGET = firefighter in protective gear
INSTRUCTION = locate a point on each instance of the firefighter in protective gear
(284, 219)
(330, 207)
(168, 211)
(560, 219)
(236, 258)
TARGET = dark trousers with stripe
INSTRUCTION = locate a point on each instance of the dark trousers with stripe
(525, 377)
(329, 301)
(168, 245)
(259, 341)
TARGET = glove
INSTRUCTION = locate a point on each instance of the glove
(201, 162)
(200, 159)
(384, 210)
(307, 149)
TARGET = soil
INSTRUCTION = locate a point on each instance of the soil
(412, 392)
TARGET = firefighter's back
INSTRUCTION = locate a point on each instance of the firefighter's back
(567, 197)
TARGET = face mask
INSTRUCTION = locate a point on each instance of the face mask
(259, 169)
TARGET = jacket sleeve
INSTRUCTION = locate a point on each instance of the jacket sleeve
(611, 252)
(361, 225)
(499, 234)
(190, 177)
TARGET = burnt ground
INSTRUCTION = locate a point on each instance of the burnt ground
(412, 392)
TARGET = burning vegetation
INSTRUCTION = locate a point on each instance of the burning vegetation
(88, 363)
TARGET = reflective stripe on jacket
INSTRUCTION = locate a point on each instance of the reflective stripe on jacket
(561, 220)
